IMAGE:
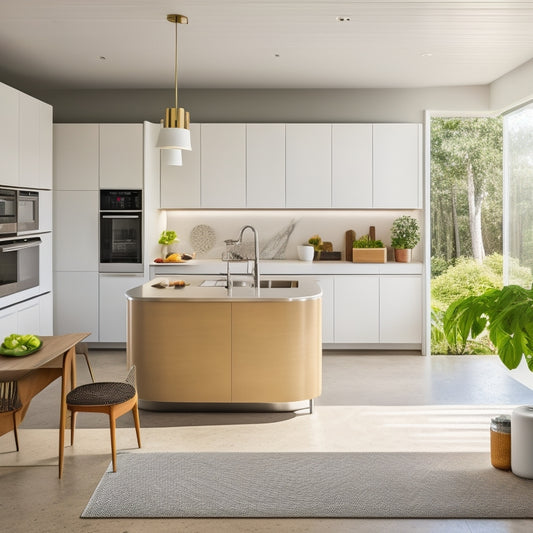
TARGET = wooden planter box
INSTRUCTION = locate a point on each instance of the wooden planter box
(369, 255)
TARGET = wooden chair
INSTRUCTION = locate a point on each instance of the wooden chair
(83, 349)
(113, 398)
(10, 403)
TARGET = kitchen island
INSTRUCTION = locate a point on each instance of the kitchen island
(204, 346)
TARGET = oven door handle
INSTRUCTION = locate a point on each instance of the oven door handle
(15, 247)
(121, 216)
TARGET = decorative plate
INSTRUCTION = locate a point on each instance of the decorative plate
(16, 353)
(203, 238)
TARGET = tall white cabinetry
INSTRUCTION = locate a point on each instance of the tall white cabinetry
(265, 165)
(9, 135)
(76, 183)
(223, 163)
(308, 165)
(397, 163)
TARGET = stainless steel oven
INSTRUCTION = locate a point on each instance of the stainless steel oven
(8, 212)
(19, 265)
(121, 231)
(27, 210)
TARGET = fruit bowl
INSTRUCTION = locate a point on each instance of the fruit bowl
(18, 352)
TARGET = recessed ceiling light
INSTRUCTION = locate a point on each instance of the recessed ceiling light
(426, 54)
(102, 58)
(343, 19)
(276, 55)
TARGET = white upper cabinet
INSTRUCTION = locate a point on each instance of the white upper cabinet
(35, 147)
(397, 166)
(265, 165)
(308, 165)
(180, 185)
(76, 157)
(29, 141)
(223, 164)
(351, 166)
(121, 156)
(9, 136)
(46, 117)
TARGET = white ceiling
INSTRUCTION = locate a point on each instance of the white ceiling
(56, 44)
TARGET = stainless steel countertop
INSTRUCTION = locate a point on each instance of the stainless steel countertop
(307, 290)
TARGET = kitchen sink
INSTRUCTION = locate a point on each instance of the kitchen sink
(263, 284)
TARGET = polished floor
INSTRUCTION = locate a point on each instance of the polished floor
(393, 402)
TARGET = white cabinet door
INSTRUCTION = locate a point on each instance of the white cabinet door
(46, 114)
(46, 314)
(29, 110)
(76, 230)
(121, 156)
(308, 165)
(9, 136)
(8, 322)
(29, 318)
(397, 163)
(45, 263)
(76, 303)
(223, 162)
(351, 166)
(113, 305)
(180, 185)
(265, 165)
(76, 157)
(357, 309)
(401, 309)
(327, 284)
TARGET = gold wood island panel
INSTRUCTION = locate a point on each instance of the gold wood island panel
(240, 352)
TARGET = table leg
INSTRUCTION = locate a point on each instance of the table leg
(68, 381)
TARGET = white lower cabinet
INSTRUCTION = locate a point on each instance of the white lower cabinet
(76, 303)
(32, 316)
(400, 305)
(113, 305)
(357, 309)
(327, 284)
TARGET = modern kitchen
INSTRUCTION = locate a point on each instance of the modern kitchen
(223, 268)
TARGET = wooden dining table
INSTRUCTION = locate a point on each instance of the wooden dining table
(56, 358)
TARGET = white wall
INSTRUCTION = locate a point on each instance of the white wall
(339, 105)
(513, 88)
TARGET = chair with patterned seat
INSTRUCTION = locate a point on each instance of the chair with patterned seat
(10, 403)
(112, 398)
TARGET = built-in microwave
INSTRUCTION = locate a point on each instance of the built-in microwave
(19, 265)
(8, 212)
(27, 210)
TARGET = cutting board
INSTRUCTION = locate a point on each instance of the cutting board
(350, 237)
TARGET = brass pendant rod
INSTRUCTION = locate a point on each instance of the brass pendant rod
(176, 68)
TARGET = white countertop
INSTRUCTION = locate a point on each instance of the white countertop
(285, 267)
(307, 289)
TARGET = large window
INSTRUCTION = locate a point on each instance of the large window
(518, 150)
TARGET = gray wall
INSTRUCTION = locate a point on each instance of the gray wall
(512, 89)
(339, 105)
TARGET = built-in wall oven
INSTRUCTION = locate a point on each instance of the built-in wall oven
(8, 212)
(27, 210)
(121, 231)
(19, 265)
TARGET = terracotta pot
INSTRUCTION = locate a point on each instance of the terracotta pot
(402, 255)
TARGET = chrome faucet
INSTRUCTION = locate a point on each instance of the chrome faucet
(232, 242)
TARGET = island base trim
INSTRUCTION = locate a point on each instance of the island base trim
(273, 407)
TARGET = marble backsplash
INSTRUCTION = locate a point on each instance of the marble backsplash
(280, 232)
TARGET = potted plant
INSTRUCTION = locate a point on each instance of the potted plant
(367, 250)
(167, 237)
(316, 242)
(507, 314)
(405, 235)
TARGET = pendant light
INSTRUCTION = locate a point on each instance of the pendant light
(175, 134)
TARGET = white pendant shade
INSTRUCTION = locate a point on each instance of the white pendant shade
(171, 157)
(174, 138)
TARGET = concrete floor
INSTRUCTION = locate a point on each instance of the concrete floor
(369, 403)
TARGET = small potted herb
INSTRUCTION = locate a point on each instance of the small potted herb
(367, 250)
(167, 237)
(405, 235)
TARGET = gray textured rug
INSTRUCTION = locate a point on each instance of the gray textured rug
(356, 485)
